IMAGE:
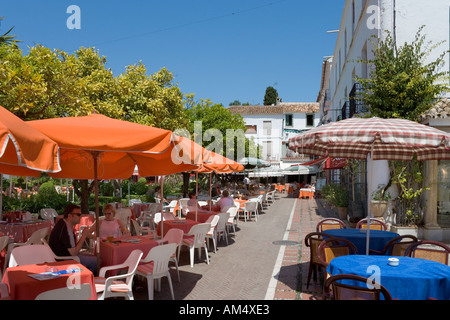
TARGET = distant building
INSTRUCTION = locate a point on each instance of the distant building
(272, 126)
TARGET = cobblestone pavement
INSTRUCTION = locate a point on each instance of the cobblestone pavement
(265, 260)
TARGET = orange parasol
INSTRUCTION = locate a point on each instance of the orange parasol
(23, 147)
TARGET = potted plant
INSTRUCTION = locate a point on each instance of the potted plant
(337, 196)
(379, 201)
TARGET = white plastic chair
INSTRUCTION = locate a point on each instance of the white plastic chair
(225, 209)
(48, 214)
(212, 233)
(143, 231)
(37, 237)
(156, 266)
(76, 258)
(183, 203)
(171, 206)
(31, 254)
(221, 228)
(113, 286)
(174, 235)
(232, 220)
(3, 244)
(124, 215)
(196, 238)
(84, 292)
(270, 196)
(250, 207)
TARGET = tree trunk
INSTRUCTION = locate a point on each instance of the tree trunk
(186, 176)
(83, 191)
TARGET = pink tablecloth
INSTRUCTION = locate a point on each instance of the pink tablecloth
(202, 216)
(24, 287)
(20, 232)
(184, 225)
(116, 253)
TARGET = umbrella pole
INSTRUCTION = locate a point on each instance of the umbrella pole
(97, 214)
(210, 197)
(369, 189)
(162, 206)
(196, 194)
(1, 196)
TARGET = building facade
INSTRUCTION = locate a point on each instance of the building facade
(361, 20)
(272, 126)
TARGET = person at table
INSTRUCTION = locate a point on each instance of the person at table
(63, 241)
(224, 201)
(110, 226)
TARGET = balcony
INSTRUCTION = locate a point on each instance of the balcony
(354, 105)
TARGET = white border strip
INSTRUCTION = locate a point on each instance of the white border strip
(270, 293)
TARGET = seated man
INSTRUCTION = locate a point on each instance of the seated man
(225, 200)
(63, 242)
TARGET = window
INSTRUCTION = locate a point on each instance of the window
(251, 129)
(310, 120)
(289, 119)
(267, 150)
(267, 128)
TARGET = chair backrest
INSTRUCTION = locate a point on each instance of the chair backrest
(429, 250)
(124, 215)
(250, 205)
(213, 220)
(48, 214)
(366, 290)
(331, 248)
(4, 240)
(172, 205)
(313, 240)
(398, 245)
(174, 235)
(183, 202)
(166, 216)
(223, 219)
(31, 254)
(232, 212)
(199, 232)
(225, 208)
(132, 263)
(160, 256)
(154, 207)
(83, 292)
(136, 227)
(330, 223)
(37, 236)
(375, 224)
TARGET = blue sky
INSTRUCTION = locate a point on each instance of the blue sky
(219, 50)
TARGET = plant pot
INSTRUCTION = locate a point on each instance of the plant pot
(342, 212)
(378, 208)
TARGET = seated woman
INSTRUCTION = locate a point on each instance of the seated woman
(192, 202)
(110, 226)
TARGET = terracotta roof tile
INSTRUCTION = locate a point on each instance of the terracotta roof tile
(282, 108)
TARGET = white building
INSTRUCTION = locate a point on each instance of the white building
(272, 126)
(362, 19)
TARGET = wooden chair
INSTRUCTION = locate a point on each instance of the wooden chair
(335, 290)
(313, 240)
(331, 248)
(330, 223)
(396, 246)
(375, 224)
(429, 250)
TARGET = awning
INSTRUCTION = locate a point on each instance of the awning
(334, 163)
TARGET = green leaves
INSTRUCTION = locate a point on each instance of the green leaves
(400, 84)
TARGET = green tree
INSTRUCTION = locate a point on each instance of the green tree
(400, 84)
(270, 96)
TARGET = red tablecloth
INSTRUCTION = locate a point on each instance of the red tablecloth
(308, 193)
(184, 225)
(202, 216)
(116, 253)
(20, 232)
(23, 287)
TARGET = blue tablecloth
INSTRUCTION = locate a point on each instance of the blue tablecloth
(412, 279)
(378, 239)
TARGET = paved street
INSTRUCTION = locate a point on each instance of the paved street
(265, 260)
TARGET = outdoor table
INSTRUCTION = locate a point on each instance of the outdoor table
(116, 252)
(21, 231)
(184, 225)
(378, 238)
(202, 216)
(23, 287)
(412, 279)
(241, 202)
(280, 188)
(307, 193)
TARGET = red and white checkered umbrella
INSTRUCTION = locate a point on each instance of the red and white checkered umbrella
(391, 139)
(382, 139)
